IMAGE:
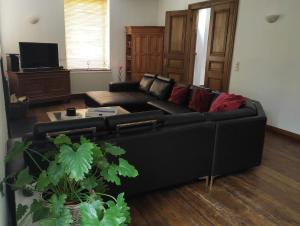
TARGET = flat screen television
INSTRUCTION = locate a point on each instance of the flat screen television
(39, 55)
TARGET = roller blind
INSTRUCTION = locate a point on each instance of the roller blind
(87, 34)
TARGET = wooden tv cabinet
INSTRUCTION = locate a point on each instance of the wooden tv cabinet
(40, 87)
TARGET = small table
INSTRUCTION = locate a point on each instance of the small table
(81, 114)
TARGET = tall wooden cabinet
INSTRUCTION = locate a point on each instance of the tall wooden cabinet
(144, 51)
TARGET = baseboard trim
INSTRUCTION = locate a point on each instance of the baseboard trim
(285, 133)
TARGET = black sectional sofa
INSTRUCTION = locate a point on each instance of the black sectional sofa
(238, 135)
(168, 144)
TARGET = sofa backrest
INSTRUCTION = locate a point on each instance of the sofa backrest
(41, 130)
(193, 89)
(161, 88)
(248, 110)
(166, 156)
(183, 119)
(135, 121)
(146, 82)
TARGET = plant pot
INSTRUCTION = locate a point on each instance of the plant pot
(75, 214)
(74, 209)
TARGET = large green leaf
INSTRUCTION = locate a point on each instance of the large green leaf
(102, 163)
(89, 213)
(126, 169)
(65, 219)
(76, 163)
(113, 150)
(21, 211)
(17, 149)
(55, 172)
(84, 140)
(113, 216)
(110, 174)
(121, 203)
(61, 140)
(23, 179)
(39, 211)
(98, 153)
(57, 203)
(42, 182)
(89, 183)
(59, 214)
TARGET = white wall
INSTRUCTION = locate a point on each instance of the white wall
(3, 139)
(16, 28)
(268, 54)
(171, 5)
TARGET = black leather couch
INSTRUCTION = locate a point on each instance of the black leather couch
(218, 143)
(169, 145)
(232, 129)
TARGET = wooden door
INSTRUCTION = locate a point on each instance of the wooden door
(175, 49)
(220, 46)
(155, 54)
(139, 56)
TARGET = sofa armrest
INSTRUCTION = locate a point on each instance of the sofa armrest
(123, 86)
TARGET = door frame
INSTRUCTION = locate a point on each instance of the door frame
(192, 26)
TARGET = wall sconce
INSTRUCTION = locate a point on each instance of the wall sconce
(272, 18)
(34, 19)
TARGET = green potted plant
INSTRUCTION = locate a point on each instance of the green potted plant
(73, 187)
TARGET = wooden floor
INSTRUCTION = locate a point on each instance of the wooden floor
(267, 195)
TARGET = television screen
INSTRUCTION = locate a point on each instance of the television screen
(39, 55)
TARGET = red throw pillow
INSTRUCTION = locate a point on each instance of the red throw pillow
(227, 102)
(179, 95)
(200, 101)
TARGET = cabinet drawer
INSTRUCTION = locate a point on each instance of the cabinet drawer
(33, 87)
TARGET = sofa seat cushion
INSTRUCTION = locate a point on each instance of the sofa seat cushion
(168, 107)
(105, 98)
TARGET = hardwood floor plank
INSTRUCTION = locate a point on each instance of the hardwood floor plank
(269, 202)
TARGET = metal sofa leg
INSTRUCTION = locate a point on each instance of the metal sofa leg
(206, 180)
(211, 182)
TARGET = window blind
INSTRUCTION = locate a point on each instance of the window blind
(87, 34)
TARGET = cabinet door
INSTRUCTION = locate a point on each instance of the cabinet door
(139, 56)
(155, 55)
(58, 85)
(33, 87)
(175, 48)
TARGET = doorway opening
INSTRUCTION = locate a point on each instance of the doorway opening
(203, 23)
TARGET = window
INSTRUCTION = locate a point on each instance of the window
(87, 34)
